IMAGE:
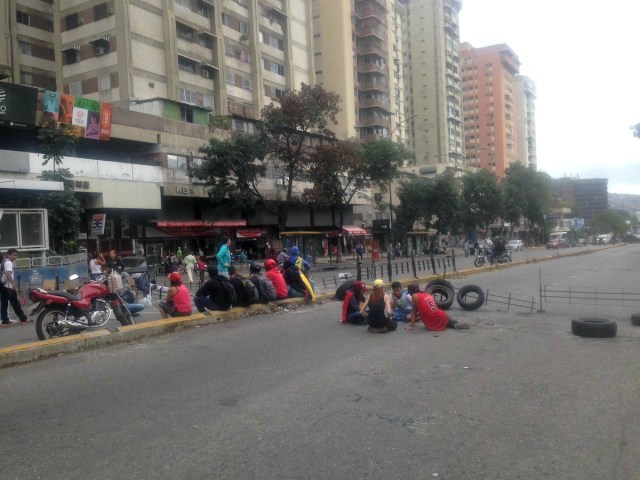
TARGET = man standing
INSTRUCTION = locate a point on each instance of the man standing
(9, 290)
(189, 263)
(359, 251)
(224, 257)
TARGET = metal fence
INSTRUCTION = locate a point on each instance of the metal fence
(588, 295)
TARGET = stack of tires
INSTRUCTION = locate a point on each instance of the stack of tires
(469, 297)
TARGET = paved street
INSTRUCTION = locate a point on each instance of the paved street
(298, 395)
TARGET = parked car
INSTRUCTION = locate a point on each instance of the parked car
(556, 243)
(582, 242)
(515, 245)
(136, 266)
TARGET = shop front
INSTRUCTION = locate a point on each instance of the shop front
(253, 241)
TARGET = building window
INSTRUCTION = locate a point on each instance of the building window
(75, 88)
(184, 3)
(25, 48)
(26, 78)
(71, 56)
(188, 96)
(104, 83)
(177, 162)
(22, 17)
(73, 21)
(100, 11)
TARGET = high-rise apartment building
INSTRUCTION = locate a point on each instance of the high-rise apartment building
(526, 117)
(433, 82)
(489, 105)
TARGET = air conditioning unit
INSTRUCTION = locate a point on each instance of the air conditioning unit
(100, 51)
(282, 182)
(205, 73)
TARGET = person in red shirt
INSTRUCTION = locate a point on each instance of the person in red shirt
(430, 314)
(178, 300)
(276, 278)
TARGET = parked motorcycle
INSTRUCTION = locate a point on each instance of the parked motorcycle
(61, 313)
(484, 258)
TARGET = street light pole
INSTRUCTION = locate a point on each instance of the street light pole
(391, 198)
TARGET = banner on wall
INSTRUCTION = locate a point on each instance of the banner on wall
(98, 221)
(91, 119)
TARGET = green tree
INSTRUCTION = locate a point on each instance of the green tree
(233, 169)
(293, 131)
(64, 209)
(609, 221)
(56, 142)
(481, 200)
(432, 203)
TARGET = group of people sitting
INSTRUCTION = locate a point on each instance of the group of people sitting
(222, 292)
(382, 312)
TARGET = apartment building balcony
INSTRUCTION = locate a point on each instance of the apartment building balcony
(379, 84)
(371, 12)
(374, 103)
(242, 110)
(372, 49)
(375, 121)
(372, 67)
(368, 30)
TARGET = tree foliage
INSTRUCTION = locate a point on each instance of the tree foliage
(609, 221)
(56, 142)
(481, 200)
(234, 169)
(384, 158)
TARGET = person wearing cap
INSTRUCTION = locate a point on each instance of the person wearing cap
(282, 256)
(379, 315)
(352, 303)
(295, 285)
(401, 305)
(213, 295)
(431, 315)
(177, 303)
(299, 262)
(266, 289)
(276, 278)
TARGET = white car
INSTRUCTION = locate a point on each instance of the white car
(515, 245)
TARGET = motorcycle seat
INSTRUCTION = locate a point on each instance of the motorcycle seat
(63, 293)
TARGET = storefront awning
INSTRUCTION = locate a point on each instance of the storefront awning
(353, 230)
(249, 233)
(198, 228)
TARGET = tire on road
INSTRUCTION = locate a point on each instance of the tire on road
(635, 319)
(594, 327)
(440, 281)
(475, 302)
(342, 289)
(443, 296)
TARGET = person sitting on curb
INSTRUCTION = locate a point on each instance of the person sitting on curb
(177, 303)
(276, 278)
(246, 291)
(379, 304)
(401, 305)
(431, 315)
(295, 285)
(266, 289)
(214, 294)
(352, 305)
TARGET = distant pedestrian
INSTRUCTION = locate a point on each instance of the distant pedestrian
(465, 247)
(359, 251)
(9, 290)
(96, 265)
(189, 264)
(224, 257)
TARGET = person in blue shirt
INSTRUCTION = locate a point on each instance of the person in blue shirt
(401, 304)
(224, 257)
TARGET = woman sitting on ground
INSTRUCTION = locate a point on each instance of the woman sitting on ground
(178, 301)
(353, 301)
(379, 305)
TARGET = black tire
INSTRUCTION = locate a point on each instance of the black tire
(46, 327)
(594, 327)
(440, 281)
(475, 302)
(479, 262)
(342, 289)
(442, 295)
(123, 315)
(635, 319)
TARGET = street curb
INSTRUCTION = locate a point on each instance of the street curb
(34, 351)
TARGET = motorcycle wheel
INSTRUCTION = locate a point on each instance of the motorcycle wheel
(124, 316)
(478, 262)
(47, 327)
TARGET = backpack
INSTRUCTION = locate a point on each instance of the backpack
(250, 292)
(4, 278)
(230, 291)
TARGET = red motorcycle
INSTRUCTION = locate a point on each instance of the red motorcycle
(62, 313)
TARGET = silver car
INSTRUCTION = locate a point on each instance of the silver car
(515, 245)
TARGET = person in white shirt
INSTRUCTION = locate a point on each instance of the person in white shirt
(9, 290)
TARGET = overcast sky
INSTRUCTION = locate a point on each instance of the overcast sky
(584, 57)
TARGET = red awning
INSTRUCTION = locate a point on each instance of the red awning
(249, 233)
(198, 228)
(355, 231)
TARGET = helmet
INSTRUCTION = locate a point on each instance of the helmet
(269, 264)
(255, 268)
(295, 251)
(378, 282)
(175, 277)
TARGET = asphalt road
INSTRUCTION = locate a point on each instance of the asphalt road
(297, 395)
